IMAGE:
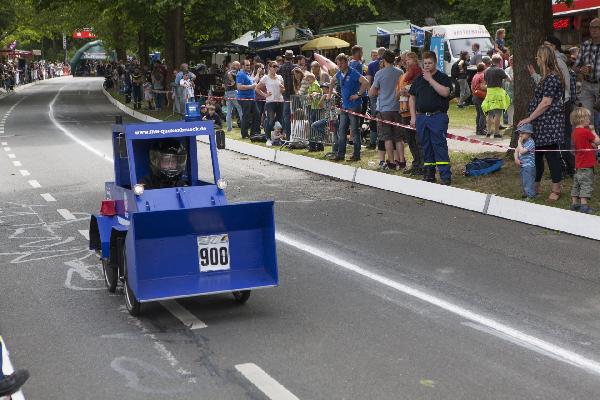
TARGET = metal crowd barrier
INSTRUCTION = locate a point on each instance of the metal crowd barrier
(312, 120)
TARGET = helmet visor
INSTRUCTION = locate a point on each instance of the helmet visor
(169, 165)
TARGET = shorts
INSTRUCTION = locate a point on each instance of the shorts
(583, 183)
(387, 131)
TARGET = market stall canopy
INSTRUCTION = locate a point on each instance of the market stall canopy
(325, 43)
(266, 39)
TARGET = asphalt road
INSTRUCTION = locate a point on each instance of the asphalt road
(382, 296)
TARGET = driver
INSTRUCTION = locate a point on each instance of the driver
(168, 158)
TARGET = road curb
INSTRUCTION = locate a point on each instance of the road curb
(28, 85)
(553, 218)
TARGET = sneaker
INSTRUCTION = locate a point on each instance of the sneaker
(382, 165)
(389, 166)
(337, 159)
(487, 135)
(446, 182)
(400, 165)
(498, 136)
(13, 382)
(372, 147)
(353, 159)
(584, 208)
(575, 207)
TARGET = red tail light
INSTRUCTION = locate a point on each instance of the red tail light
(108, 208)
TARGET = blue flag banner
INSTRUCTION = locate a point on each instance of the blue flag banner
(437, 46)
(417, 36)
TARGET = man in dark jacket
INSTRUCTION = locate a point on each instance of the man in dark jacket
(459, 74)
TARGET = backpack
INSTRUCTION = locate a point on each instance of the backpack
(483, 166)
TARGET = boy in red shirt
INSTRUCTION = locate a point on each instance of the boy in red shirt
(584, 141)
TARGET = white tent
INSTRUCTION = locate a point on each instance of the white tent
(246, 37)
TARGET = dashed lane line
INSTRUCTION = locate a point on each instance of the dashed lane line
(264, 382)
(181, 313)
(48, 197)
(12, 156)
(17, 163)
(24, 172)
(85, 233)
(4, 144)
(7, 149)
(34, 184)
(66, 214)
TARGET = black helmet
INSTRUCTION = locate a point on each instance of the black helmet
(168, 158)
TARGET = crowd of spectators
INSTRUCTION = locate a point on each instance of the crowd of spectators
(19, 72)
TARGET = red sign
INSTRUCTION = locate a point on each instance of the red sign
(84, 35)
(576, 5)
(561, 23)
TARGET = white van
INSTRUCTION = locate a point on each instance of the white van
(461, 37)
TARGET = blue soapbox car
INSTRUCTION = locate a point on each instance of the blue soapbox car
(182, 241)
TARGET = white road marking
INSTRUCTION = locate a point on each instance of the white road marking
(24, 172)
(48, 197)
(263, 381)
(34, 183)
(7, 149)
(70, 135)
(558, 352)
(7, 369)
(12, 156)
(182, 314)
(66, 214)
(17, 163)
(4, 144)
(85, 233)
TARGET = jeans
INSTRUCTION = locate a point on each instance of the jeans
(230, 94)
(465, 92)
(480, 121)
(260, 104)
(137, 94)
(287, 120)
(349, 120)
(158, 98)
(528, 181)
(589, 94)
(432, 136)
(274, 111)
(250, 118)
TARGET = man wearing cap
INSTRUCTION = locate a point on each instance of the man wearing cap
(286, 72)
(588, 64)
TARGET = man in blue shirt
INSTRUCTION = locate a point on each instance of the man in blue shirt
(352, 86)
(246, 94)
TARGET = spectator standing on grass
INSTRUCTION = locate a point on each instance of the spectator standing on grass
(315, 94)
(429, 103)
(231, 94)
(476, 55)
(567, 158)
(372, 68)
(158, 85)
(525, 159)
(359, 65)
(547, 116)
(479, 90)
(137, 80)
(412, 72)
(584, 141)
(459, 72)
(148, 95)
(388, 109)
(271, 86)
(496, 100)
(179, 91)
(259, 73)
(246, 94)
(188, 87)
(510, 91)
(286, 72)
(587, 63)
(352, 86)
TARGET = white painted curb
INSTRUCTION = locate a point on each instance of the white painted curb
(557, 219)
(28, 85)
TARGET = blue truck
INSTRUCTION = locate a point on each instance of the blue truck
(183, 240)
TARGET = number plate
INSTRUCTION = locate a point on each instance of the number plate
(213, 252)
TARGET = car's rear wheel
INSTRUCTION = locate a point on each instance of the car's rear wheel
(131, 303)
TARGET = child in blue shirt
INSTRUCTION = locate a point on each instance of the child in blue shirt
(525, 158)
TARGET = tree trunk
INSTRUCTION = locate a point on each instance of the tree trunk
(143, 47)
(527, 36)
(174, 37)
(119, 40)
